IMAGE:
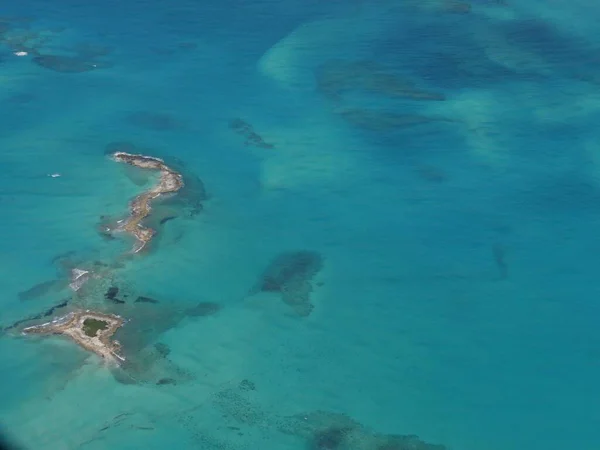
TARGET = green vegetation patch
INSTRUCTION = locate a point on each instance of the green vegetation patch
(92, 326)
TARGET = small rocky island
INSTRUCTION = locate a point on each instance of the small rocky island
(91, 330)
(140, 207)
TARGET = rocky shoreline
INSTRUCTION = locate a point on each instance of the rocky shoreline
(140, 207)
(94, 330)
(91, 330)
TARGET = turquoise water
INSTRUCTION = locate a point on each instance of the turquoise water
(423, 181)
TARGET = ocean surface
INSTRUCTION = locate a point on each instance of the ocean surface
(389, 237)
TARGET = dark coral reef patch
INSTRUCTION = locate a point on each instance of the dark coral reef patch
(67, 64)
(203, 309)
(337, 79)
(251, 137)
(155, 121)
(319, 430)
(291, 274)
(329, 438)
(376, 120)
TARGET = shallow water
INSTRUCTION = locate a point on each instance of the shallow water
(437, 160)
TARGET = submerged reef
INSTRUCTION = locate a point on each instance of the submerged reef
(147, 360)
(203, 309)
(290, 274)
(442, 6)
(250, 136)
(47, 313)
(153, 121)
(144, 360)
(337, 77)
(374, 120)
(330, 438)
(317, 430)
(68, 276)
(20, 36)
(68, 64)
(42, 289)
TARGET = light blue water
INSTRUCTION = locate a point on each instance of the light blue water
(457, 298)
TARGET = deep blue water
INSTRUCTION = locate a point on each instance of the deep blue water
(425, 173)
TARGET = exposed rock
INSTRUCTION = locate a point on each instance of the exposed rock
(191, 195)
(170, 182)
(120, 146)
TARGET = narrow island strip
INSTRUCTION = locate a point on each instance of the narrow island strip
(170, 182)
(91, 330)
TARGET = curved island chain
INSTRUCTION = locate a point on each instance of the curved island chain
(140, 207)
(94, 330)
(91, 330)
